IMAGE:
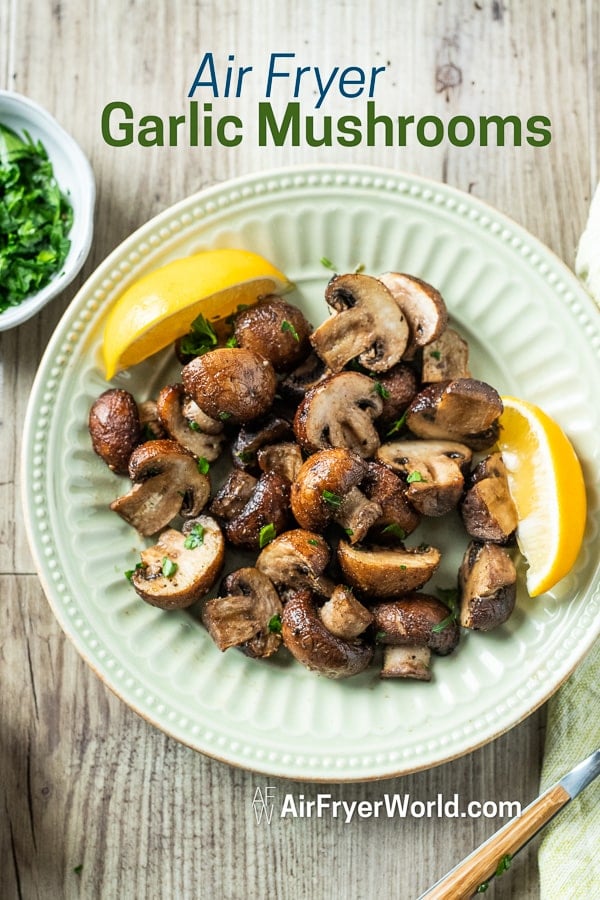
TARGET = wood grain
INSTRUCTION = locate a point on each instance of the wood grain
(84, 781)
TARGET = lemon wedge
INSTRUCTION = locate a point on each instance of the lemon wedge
(547, 486)
(160, 307)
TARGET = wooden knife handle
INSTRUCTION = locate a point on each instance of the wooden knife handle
(462, 881)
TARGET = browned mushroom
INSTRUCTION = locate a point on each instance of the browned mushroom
(150, 425)
(488, 510)
(398, 518)
(185, 422)
(367, 324)
(343, 615)
(327, 490)
(422, 306)
(306, 376)
(257, 434)
(313, 645)
(231, 384)
(433, 471)
(488, 586)
(181, 567)
(248, 616)
(297, 559)
(386, 572)
(397, 389)
(339, 412)
(114, 426)
(276, 330)
(285, 459)
(463, 410)
(419, 624)
(233, 494)
(446, 358)
(167, 483)
(265, 511)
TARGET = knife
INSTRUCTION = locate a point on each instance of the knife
(463, 880)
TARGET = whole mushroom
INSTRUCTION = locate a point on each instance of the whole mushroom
(114, 426)
(276, 330)
(231, 384)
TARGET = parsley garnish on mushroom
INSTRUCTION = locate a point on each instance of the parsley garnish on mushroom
(168, 567)
(397, 425)
(287, 326)
(266, 535)
(194, 538)
(414, 477)
(395, 530)
(274, 625)
(331, 498)
(382, 390)
(203, 465)
(200, 339)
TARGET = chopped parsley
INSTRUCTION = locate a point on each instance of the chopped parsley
(266, 534)
(200, 339)
(436, 354)
(35, 219)
(203, 465)
(349, 531)
(78, 869)
(380, 636)
(332, 499)
(274, 625)
(504, 865)
(193, 426)
(287, 326)
(382, 390)
(168, 567)
(482, 887)
(448, 596)
(193, 540)
(232, 341)
(130, 572)
(397, 425)
(327, 263)
(245, 456)
(415, 477)
(395, 530)
(313, 542)
(223, 415)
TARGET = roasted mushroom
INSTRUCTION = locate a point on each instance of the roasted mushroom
(150, 424)
(181, 567)
(251, 507)
(422, 305)
(386, 572)
(167, 483)
(185, 422)
(488, 510)
(313, 645)
(306, 376)
(259, 433)
(343, 615)
(327, 490)
(397, 389)
(398, 518)
(339, 412)
(248, 616)
(114, 425)
(419, 624)
(285, 459)
(231, 384)
(462, 410)
(297, 559)
(488, 586)
(276, 330)
(367, 324)
(433, 471)
(446, 358)
(233, 494)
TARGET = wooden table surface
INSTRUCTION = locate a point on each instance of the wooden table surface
(96, 802)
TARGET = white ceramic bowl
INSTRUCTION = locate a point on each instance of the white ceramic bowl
(75, 178)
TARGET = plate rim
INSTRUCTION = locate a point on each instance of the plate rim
(279, 769)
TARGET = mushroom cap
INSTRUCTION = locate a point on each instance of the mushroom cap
(178, 413)
(276, 330)
(310, 642)
(326, 474)
(463, 410)
(339, 412)
(231, 384)
(297, 559)
(488, 586)
(268, 505)
(398, 386)
(488, 510)
(197, 568)
(386, 572)
(446, 358)
(368, 324)
(114, 425)
(259, 433)
(413, 620)
(422, 305)
(168, 484)
(387, 489)
(251, 583)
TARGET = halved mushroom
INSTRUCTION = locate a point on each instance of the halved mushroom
(244, 617)
(419, 624)
(343, 615)
(488, 586)
(339, 412)
(297, 559)
(150, 424)
(231, 384)
(185, 422)
(313, 645)
(275, 329)
(167, 483)
(422, 305)
(306, 376)
(397, 388)
(267, 506)
(252, 437)
(368, 324)
(285, 459)
(398, 518)
(327, 490)
(446, 358)
(433, 471)
(114, 425)
(233, 494)
(488, 510)
(386, 572)
(181, 567)
(463, 410)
